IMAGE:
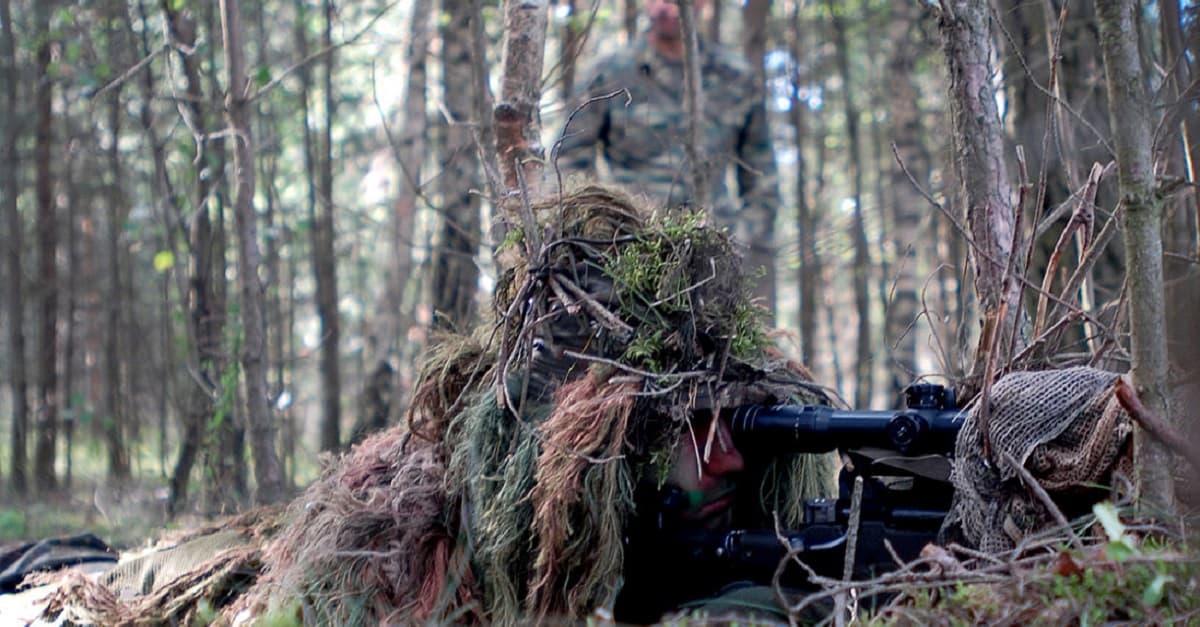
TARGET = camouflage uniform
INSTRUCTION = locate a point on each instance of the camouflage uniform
(642, 140)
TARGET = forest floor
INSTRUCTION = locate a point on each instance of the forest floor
(125, 518)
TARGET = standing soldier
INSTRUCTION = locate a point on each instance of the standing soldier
(642, 137)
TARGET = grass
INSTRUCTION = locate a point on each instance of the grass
(135, 515)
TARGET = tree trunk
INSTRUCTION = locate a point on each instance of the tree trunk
(821, 287)
(19, 378)
(275, 226)
(47, 405)
(118, 456)
(386, 340)
(310, 178)
(517, 118)
(761, 255)
(572, 38)
(324, 262)
(862, 256)
(167, 356)
(754, 36)
(629, 19)
(225, 454)
(981, 170)
(1129, 112)
(206, 321)
(693, 105)
(455, 274)
(267, 473)
(810, 268)
(164, 197)
(905, 129)
(1183, 139)
(76, 214)
(292, 429)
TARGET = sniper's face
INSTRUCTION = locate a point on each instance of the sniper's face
(664, 17)
(708, 481)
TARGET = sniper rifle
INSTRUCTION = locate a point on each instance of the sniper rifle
(903, 457)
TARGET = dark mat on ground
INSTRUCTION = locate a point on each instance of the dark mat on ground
(19, 560)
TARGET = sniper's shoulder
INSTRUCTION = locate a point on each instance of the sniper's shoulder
(730, 65)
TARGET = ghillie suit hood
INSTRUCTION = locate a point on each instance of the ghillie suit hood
(505, 495)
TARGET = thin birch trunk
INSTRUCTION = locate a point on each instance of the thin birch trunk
(1129, 111)
(693, 99)
(518, 121)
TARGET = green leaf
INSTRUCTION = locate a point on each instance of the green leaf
(1106, 513)
(1119, 551)
(262, 75)
(1154, 592)
(177, 5)
(164, 260)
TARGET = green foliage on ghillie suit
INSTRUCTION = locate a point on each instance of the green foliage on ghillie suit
(505, 495)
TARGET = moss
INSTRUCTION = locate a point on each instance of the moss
(749, 335)
(646, 350)
(1100, 591)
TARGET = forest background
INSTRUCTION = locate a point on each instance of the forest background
(145, 380)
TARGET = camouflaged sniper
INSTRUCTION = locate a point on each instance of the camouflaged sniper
(642, 137)
(508, 504)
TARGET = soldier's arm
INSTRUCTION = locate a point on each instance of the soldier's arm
(757, 176)
(586, 126)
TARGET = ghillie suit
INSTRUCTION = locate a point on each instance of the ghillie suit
(505, 496)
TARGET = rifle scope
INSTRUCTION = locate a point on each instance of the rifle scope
(929, 425)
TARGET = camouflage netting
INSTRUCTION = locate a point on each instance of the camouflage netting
(1066, 427)
(505, 495)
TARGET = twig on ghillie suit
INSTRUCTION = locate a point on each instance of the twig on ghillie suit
(505, 494)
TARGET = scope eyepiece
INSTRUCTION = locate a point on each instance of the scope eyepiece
(905, 431)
